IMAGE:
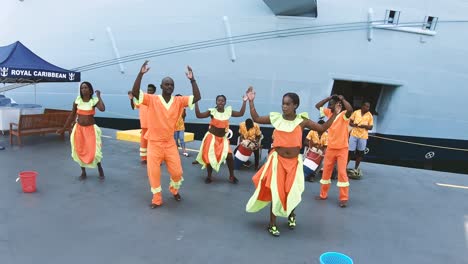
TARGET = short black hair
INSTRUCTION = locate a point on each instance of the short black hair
(249, 123)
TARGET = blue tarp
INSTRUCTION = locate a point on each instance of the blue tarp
(18, 64)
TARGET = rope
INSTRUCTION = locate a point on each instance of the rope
(419, 144)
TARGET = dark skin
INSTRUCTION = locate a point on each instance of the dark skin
(149, 90)
(364, 109)
(167, 84)
(289, 113)
(331, 105)
(256, 152)
(349, 111)
(167, 87)
(85, 120)
(221, 132)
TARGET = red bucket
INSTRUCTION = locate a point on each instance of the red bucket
(28, 181)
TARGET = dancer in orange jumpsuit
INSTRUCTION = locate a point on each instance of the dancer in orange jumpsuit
(143, 122)
(337, 150)
(215, 147)
(85, 138)
(281, 179)
(163, 112)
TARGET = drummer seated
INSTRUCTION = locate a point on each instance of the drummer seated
(316, 140)
(250, 137)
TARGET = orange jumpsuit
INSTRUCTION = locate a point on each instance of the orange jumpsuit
(337, 151)
(144, 128)
(162, 118)
(280, 180)
(214, 150)
(86, 140)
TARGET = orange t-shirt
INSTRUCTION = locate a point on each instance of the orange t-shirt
(338, 131)
(143, 109)
(162, 117)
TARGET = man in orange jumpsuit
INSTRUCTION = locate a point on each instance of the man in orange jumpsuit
(143, 122)
(162, 115)
(337, 151)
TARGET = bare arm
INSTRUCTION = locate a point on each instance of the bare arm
(136, 85)
(347, 106)
(322, 128)
(195, 90)
(255, 117)
(323, 102)
(242, 110)
(130, 96)
(100, 105)
(70, 118)
(198, 114)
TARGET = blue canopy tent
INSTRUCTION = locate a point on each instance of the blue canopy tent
(18, 64)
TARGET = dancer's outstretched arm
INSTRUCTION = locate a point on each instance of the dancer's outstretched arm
(195, 90)
(253, 112)
(137, 84)
(200, 114)
(322, 128)
(241, 112)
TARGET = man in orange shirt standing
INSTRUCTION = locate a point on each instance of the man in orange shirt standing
(163, 112)
(337, 150)
(362, 121)
(143, 122)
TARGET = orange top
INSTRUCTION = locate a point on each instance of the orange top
(143, 109)
(338, 131)
(287, 133)
(162, 117)
(86, 108)
(360, 119)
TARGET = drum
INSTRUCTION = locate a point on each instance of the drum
(243, 153)
(312, 160)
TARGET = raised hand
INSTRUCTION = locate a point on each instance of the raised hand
(340, 97)
(144, 68)
(189, 73)
(130, 95)
(250, 93)
(98, 93)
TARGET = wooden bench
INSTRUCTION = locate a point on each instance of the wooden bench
(39, 124)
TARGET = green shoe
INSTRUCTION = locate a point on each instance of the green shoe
(273, 230)
(292, 222)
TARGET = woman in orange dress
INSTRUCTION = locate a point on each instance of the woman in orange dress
(85, 138)
(280, 181)
(215, 147)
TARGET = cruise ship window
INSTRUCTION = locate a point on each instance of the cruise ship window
(392, 17)
(430, 23)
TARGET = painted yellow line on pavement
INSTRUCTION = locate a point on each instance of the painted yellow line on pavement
(452, 186)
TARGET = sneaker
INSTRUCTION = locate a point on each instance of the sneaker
(273, 230)
(292, 222)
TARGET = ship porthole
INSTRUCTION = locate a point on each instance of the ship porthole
(430, 155)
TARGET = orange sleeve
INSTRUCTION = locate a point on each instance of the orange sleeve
(325, 112)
